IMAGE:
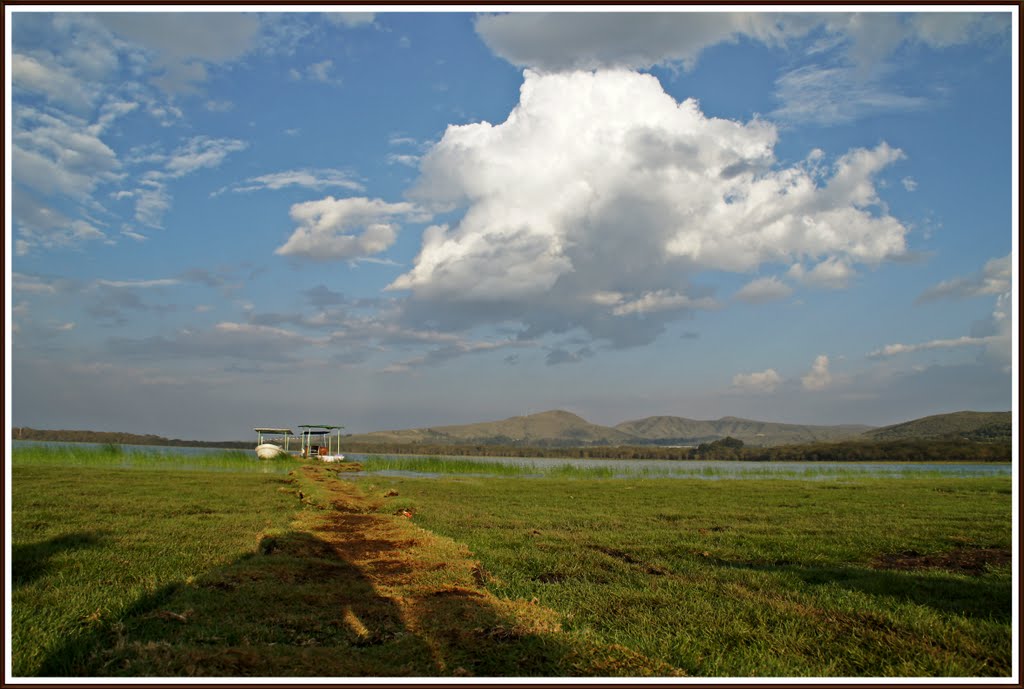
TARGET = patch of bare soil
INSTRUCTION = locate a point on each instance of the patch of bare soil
(974, 561)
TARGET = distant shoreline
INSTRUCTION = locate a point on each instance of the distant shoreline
(101, 437)
(901, 450)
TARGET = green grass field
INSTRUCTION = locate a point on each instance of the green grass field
(600, 468)
(118, 456)
(91, 539)
(144, 569)
(878, 577)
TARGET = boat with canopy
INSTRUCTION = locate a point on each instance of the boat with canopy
(321, 441)
(272, 443)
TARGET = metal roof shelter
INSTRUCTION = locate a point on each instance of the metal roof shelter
(286, 432)
(326, 432)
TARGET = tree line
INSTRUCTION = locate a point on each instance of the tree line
(117, 438)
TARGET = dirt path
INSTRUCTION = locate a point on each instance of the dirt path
(352, 589)
(438, 593)
(424, 585)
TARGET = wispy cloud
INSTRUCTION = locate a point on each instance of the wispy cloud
(53, 81)
(322, 72)
(661, 300)
(760, 381)
(406, 159)
(142, 284)
(951, 343)
(763, 290)
(560, 355)
(994, 333)
(32, 283)
(836, 95)
(351, 19)
(993, 279)
(152, 195)
(201, 152)
(317, 179)
(457, 349)
(853, 74)
(226, 340)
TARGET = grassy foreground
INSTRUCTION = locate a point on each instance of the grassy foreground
(135, 572)
(90, 544)
(875, 577)
(145, 572)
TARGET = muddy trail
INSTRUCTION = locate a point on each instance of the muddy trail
(352, 589)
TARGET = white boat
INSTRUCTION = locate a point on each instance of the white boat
(266, 448)
(269, 451)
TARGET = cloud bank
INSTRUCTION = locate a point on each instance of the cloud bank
(566, 41)
(581, 40)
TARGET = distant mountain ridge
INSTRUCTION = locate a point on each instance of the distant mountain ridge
(561, 428)
(751, 432)
(550, 428)
(553, 429)
(978, 426)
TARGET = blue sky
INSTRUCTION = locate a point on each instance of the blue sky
(218, 220)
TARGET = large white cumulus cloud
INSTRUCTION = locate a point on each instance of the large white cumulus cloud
(600, 190)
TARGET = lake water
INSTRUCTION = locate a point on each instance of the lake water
(634, 468)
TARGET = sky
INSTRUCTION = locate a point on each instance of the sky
(218, 220)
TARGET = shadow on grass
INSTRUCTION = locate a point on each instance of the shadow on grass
(967, 596)
(30, 561)
(296, 608)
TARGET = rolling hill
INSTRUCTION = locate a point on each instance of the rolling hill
(682, 431)
(563, 429)
(550, 428)
(969, 425)
(553, 429)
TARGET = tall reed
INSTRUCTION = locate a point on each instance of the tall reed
(113, 455)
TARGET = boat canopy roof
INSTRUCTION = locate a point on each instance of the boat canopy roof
(322, 427)
(281, 431)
